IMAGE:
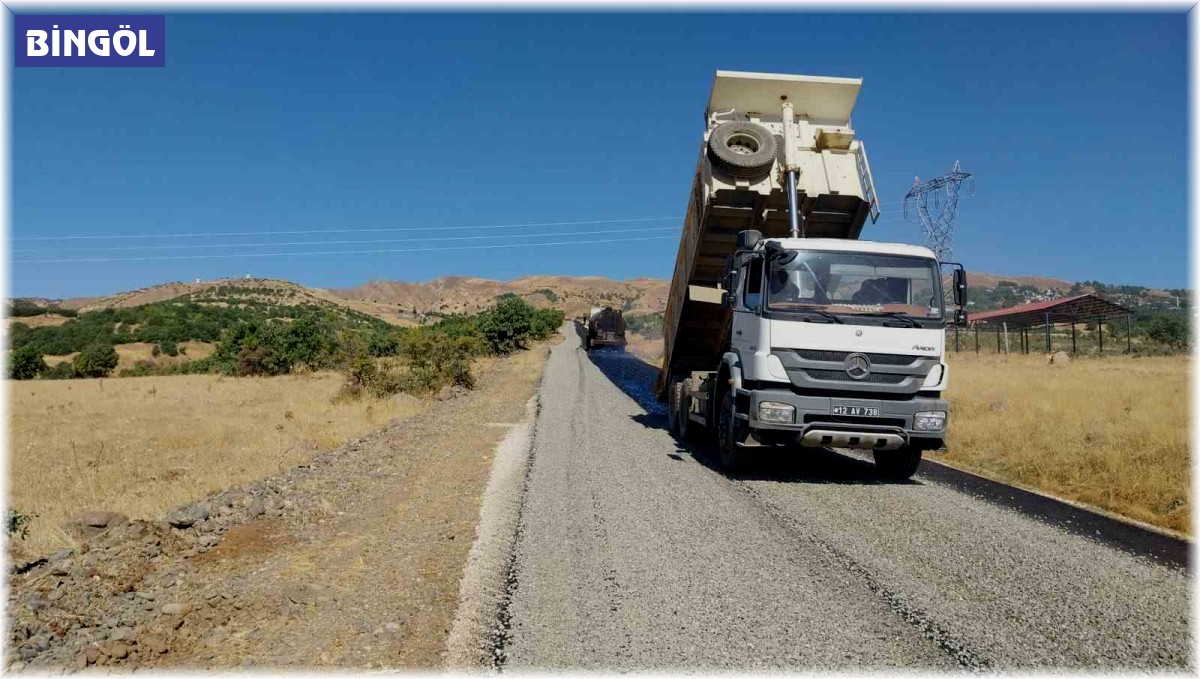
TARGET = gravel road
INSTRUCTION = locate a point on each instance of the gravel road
(635, 552)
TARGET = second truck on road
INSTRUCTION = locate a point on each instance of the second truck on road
(782, 328)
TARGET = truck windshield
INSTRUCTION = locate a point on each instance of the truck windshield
(856, 283)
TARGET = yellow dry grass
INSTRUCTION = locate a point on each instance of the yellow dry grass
(1109, 432)
(132, 352)
(42, 321)
(142, 445)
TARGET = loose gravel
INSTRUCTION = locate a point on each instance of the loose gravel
(636, 553)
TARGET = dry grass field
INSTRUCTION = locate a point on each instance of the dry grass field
(143, 445)
(1110, 432)
(42, 321)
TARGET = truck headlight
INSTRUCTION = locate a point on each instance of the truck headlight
(934, 420)
(778, 413)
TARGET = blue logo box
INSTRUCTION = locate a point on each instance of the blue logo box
(90, 39)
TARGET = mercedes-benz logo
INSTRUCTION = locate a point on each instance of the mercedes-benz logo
(858, 366)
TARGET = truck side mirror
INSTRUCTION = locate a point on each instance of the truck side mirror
(746, 240)
(960, 288)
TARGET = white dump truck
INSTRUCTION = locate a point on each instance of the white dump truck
(782, 327)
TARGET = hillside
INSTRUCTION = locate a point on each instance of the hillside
(458, 294)
(406, 303)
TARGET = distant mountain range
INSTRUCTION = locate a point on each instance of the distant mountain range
(407, 303)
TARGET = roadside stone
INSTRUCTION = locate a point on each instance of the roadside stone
(445, 394)
(90, 524)
(123, 634)
(118, 649)
(153, 643)
(186, 517)
(177, 609)
(91, 654)
(1060, 358)
(209, 541)
(35, 602)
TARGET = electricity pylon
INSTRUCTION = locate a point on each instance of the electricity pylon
(939, 228)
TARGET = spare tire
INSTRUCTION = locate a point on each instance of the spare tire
(742, 149)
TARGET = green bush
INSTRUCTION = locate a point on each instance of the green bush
(546, 322)
(436, 359)
(97, 360)
(169, 347)
(26, 363)
(1171, 330)
(310, 340)
(649, 326)
(60, 371)
(18, 523)
(506, 326)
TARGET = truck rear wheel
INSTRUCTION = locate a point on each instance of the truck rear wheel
(742, 149)
(733, 458)
(898, 464)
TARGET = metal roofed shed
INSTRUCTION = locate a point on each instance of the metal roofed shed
(1067, 310)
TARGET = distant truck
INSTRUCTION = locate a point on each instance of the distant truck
(605, 328)
(782, 329)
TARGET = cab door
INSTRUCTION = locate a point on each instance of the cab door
(747, 328)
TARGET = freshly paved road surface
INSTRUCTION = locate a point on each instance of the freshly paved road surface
(635, 552)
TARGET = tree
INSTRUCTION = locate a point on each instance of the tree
(1169, 329)
(311, 340)
(506, 326)
(26, 363)
(97, 360)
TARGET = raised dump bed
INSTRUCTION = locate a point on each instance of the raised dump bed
(740, 183)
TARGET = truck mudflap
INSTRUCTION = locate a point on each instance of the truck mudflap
(879, 424)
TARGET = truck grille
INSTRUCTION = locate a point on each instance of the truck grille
(841, 376)
(840, 356)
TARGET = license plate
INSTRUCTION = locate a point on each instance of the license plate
(856, 411)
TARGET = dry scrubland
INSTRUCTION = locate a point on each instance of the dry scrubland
(143, 445)
(1109, 432)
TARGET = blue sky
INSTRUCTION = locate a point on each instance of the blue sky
(1074, 125)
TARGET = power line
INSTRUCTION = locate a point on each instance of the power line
(343, 242)
(312, 231)
(244, 255)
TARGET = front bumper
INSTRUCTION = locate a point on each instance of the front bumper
(816, 413)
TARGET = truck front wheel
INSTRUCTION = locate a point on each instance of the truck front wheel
(733, 458)
(898, 464)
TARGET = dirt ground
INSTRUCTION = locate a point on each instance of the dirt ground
(354, 563)
(142, 445)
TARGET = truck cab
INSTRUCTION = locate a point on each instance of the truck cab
(837, 343)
